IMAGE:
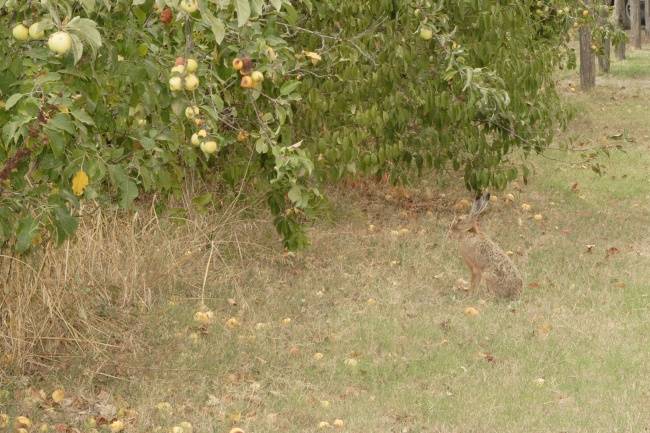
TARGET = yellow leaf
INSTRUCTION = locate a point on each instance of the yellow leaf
(314, 57)
(79, 182)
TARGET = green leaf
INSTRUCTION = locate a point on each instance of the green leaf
(261, 146)
(47, 78)
(56, 141)
(200, 202)
(27, 230)
(82, 116)
(128, 193)
(45, 24)
(277, 4)
(13, 100)
(309, 5)
(62, 122)
(216, 24)
(291, 15)
(289, 87)
(65, 223)
(295, 194)
(86, 30)
(127, 188)
(10, 129)
(258, 7)
(243, 12)
(77, 48)
(89, 5)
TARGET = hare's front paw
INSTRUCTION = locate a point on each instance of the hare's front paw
(462, 285)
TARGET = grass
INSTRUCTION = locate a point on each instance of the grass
(570, 355)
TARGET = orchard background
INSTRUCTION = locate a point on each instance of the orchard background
(166, 165)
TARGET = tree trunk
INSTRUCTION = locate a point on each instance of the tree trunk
(604, 58)
(587, 60)
(635, 23)
(646, 15)
(619, 16)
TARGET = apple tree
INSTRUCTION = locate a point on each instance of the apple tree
(104, 101)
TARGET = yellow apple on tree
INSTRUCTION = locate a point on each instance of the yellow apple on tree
(192, 111)
(247, 82)
(257, 77)
(191, 82)
(189, 6)
(209, 147)
(20, 32)
(175, 84)
(178, 69)
(60, 42)
(36, 32)
(192, 65)
(237, 64)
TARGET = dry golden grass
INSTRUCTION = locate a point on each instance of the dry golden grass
(81, 301)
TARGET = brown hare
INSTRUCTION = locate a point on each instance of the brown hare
(484, 258)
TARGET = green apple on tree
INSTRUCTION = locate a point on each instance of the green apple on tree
(426, 33)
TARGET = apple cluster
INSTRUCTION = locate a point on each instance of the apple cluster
(250, 79)
(59, 42)
(183, 75)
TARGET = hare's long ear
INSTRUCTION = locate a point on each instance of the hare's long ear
(480, 204)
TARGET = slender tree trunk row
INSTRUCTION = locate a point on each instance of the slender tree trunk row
(635, 23)
(619, 14)
(646, 16)
(587, 58)
(604, 58)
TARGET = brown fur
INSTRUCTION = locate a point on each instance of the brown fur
(487, 261)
